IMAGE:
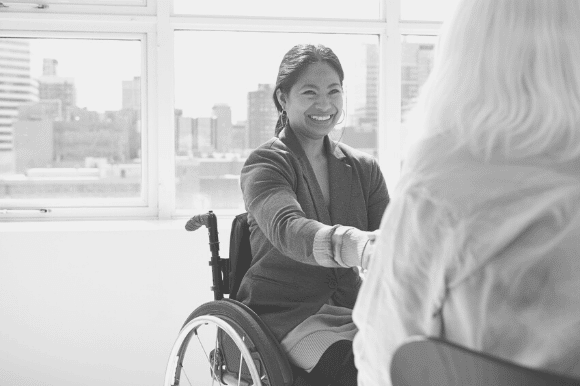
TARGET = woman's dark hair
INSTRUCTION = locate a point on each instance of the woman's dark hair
(294, 63)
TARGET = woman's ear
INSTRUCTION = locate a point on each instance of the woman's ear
(281, 98)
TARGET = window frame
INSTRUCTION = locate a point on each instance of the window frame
(156, 24)
(52, 7)
(71, 26)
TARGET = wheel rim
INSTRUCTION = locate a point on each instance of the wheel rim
(185, 337)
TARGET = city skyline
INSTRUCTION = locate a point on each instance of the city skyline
(81, 59)
(355, 92)
(195, 92)
(89, 62)
(365, 116)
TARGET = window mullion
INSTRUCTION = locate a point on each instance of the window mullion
(164, 76)
(389, 139)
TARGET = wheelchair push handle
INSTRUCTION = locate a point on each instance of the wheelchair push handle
(198, 220)
(220, 267)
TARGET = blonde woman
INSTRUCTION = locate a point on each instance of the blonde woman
(480, 244)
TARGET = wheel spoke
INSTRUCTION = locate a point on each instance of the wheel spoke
(186, 377)
(241, 362)
(215, 352)
(214, 376)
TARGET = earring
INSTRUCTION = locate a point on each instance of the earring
(283, 118)
(343, 117)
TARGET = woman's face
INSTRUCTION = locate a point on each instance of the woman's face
(314, 103)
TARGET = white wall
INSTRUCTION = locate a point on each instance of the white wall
(97, 303)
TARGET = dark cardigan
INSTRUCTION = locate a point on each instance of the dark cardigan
(284, 284)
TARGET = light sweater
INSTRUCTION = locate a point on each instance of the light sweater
(483, 254)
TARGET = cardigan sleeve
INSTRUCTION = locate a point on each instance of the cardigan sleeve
(268, 181)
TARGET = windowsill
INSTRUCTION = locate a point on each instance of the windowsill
(108, 225)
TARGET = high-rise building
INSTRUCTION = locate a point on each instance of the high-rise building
(360, 130)
(52, 86)
(94, 135)
(223, 114)
(33, 144)
(262, 115)
(44, 109)
(34, 134)
(362, 96)
(132, 94)
(184, 137)
(416, 64)
(204, 130)
(372, 86)
(240, 137)
(18, 89)
(49, 67)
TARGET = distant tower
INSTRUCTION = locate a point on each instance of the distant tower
(372, 85)
(239, 137)
(15, 70)
(184, 136)
(416, 64)
(223, 115)
(262, 115)
(204, 130)
(49, 67)
(52, 86)
(132, 94)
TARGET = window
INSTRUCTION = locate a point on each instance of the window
(148, 108)
(417, 55)
(72, 128)
(220, 120)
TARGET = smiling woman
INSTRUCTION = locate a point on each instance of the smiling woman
(313, 204)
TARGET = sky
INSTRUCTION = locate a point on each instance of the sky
(97, 66)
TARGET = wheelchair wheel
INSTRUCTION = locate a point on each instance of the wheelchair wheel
(224, 343)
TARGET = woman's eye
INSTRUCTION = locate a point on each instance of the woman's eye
(335, 91)
(309, 92)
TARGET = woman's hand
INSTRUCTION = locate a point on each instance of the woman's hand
(369, 249)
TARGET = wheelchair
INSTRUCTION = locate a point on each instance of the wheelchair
(241, 350)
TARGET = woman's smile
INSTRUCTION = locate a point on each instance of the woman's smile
(321, 118)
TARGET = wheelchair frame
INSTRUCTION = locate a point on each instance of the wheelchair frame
(245, 352)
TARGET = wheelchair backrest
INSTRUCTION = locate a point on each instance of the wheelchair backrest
(240, 253)
(429, 361)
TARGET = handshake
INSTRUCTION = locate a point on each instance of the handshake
(369, 249)
(353, 247)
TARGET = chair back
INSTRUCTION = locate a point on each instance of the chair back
(240, 253)
(435, 362)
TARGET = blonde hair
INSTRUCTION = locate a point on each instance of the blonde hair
(506, 78)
